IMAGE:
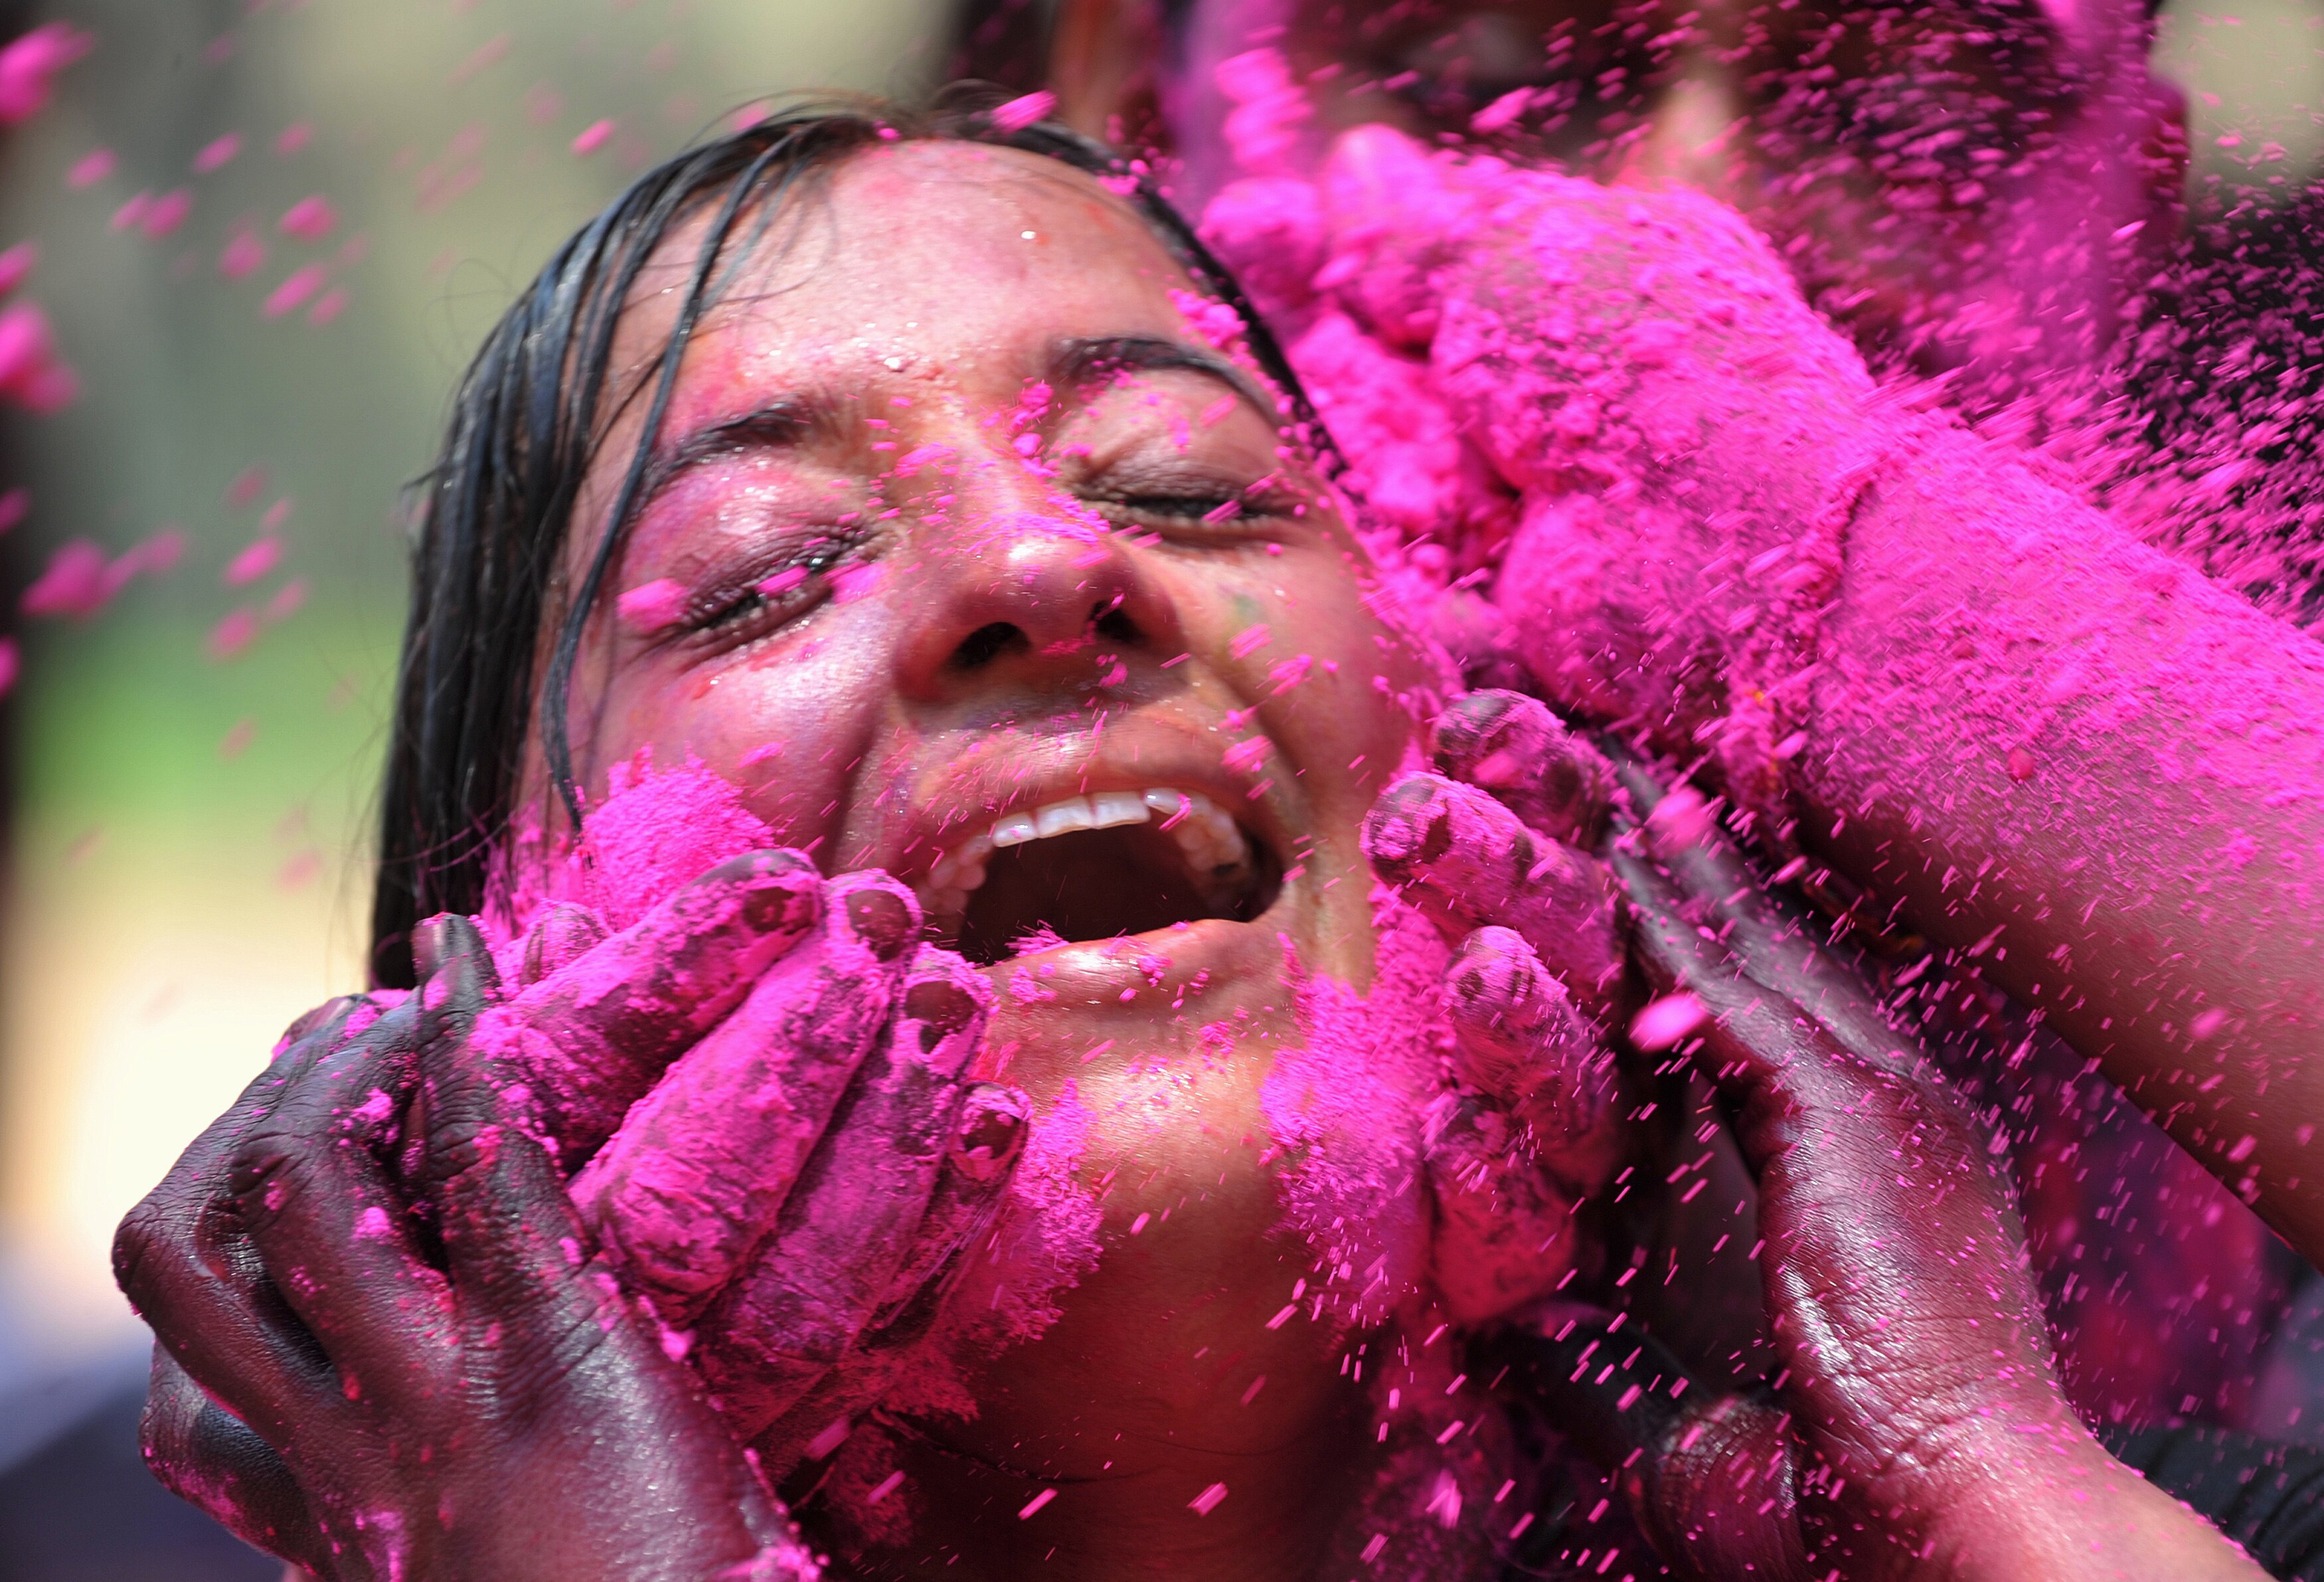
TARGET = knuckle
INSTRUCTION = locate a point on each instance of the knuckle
(262, 1186)
(154, 1238)
(461, 1148)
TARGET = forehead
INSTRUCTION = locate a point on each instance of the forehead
(956, 263)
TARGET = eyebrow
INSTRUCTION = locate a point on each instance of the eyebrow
(1084, 358)
(791, 421)
(779, 425)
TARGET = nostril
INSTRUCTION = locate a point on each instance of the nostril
(1116, 626)
(987, 643)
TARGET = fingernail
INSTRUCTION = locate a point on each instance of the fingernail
(941, 1008)
(428, 946)
(565, 934)
(314, 1021)
(1466, 725)
(990, 1131)
(884, 921)
(1411, 825)
(460, 973)
(779, 888)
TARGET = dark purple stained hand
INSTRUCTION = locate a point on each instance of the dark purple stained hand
(780, 1046)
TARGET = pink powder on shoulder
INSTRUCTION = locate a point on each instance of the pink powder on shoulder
(655, 830)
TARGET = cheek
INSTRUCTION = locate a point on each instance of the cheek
(1341, 676)
(785, 729)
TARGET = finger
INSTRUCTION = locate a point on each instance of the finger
(1467, 861)
(209, 1458)
(183, 1260)
(1506, 1235)
(335, 1235)
(844, 1228)
(1511, 745)
(1518, 1037)
(1710, 1478)
(563, 933)
(697, 1174)
(1775, 944)
(511, 1243)
(592, 1037)
(1864, 1168)
(543, 1330)
(988, 1135)
(1765, 1043)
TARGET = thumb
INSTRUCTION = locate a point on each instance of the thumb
(1708, 1477)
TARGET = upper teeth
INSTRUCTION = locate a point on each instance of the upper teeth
(1216, 852)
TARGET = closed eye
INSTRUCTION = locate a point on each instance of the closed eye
(1186, 507)
(774, 595)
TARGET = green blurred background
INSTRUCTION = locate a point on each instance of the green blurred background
(186, 861)
(186, 865)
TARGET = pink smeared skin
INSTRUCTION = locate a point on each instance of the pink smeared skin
(594, 1036)
(656, 829)
(1012, 1283)
(1520, 1040)
(1043, 1243)
(653, 833)
(1510, 746)
(1506, 1234)
(1531, 1136)
(682, 1195)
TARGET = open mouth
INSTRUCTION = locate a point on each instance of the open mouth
(1097, 867)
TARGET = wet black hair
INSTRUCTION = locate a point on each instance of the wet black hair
(532, 410)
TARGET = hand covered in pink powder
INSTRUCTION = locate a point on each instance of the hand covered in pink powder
(1529, 1131)
(1685, 439)
(1916, 1425)
(369, 1316)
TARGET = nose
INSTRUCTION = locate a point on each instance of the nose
(1037, 600)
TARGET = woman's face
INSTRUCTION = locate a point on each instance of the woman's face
(961, 530)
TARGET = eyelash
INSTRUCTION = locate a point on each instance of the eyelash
(727, 609)
(1195, 512)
